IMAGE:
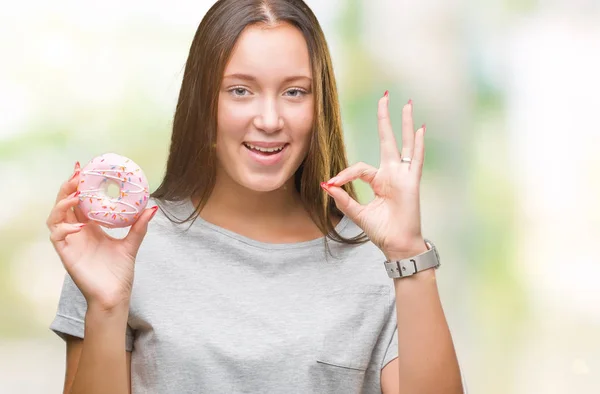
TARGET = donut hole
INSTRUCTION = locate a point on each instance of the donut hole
(113, 190)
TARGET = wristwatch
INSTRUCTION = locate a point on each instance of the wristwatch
(407, 267)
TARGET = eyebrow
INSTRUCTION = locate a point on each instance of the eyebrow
(251, 78)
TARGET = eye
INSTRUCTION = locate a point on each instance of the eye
(239, 91)
(295, 92)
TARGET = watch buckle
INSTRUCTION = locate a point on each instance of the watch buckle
(406, 267)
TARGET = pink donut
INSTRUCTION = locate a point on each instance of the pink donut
(94, 181)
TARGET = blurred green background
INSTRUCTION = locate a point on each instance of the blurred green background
(508, 90)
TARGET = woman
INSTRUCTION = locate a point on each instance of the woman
(256, 275)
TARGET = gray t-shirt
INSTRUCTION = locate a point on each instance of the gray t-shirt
(215, 312)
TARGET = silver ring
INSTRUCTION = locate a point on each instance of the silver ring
(405, 160)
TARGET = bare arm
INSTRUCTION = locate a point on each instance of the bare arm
(102, 268)
(74, 347)
(427, 362)
(99, 364)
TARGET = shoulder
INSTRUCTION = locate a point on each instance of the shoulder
(365, 250)
(362, 263)
(167, 227)
(169, 218)
(169, 224)
(175, 212)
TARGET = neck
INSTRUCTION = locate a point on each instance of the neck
(230, 202)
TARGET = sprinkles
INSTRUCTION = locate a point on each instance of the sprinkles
(119, 211)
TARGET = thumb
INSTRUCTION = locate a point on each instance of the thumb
(137, 232)
(343, 201)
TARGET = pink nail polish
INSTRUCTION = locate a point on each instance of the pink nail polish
(324, 185)
(424, 128)
(386, 94)
(76, 194)
(82, 225)
(154, 209)
(410, 102)
(77, 166)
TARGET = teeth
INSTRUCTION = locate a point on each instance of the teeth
(266, 150)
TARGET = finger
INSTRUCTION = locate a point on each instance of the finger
(388, 146)
(138, 231)
(60, 212)
(69, 186)
(79, 215)
(359, 170)
(61, 230)
(344, 202)
(91, 226)
(408, 130)
(419, 154)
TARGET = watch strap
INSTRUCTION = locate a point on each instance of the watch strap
(410, 266)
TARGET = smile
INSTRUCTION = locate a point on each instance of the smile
(266, 155)
(264, 149)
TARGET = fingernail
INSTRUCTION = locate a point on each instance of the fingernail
(386, 94)
(82, 225)
(77, 166)
(154, 209)
(76, 194)
(410, 102)
(424, 128)
(325, 187)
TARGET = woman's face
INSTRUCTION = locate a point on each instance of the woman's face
(265, 112)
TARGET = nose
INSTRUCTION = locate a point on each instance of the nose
(269, 119)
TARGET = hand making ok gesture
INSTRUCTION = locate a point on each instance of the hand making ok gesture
(392, 221)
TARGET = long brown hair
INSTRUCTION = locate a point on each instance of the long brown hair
(191, 167)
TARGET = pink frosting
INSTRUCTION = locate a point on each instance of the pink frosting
(108, 211)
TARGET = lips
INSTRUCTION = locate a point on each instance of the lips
(266, 155)
(265, 148)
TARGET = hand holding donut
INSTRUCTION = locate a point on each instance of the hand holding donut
(101, 266)
(392, 220)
